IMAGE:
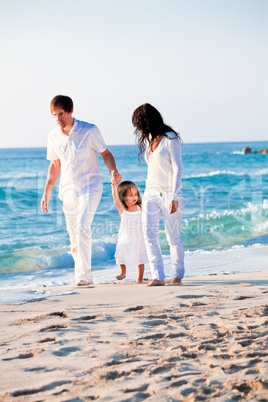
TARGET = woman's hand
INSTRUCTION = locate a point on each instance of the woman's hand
(173, 206)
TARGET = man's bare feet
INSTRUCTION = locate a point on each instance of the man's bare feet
(83, 283)
(155, 282)
(139, 281)
(176, 281)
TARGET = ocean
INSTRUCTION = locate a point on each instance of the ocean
(225, 221)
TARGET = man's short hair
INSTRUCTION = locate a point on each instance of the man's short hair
(63, 102)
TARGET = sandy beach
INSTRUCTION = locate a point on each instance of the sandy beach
(205, 340)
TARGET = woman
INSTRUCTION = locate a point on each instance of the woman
(163, 193)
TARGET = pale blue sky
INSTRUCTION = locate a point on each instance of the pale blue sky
(201, 63)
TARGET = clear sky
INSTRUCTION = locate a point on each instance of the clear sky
(201, 63)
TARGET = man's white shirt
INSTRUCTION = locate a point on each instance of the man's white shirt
(80, 174)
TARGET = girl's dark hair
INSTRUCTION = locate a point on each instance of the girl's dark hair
(62, 101)
(122, 192)
(148, 124)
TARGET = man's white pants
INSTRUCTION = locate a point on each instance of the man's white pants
(154, 204)
(79, 215)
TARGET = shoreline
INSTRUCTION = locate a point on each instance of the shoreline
(121, 341)
(198, 263)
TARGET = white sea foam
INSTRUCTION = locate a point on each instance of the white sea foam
(209, 174)
(259, 172)
(250, 208)
(20, 296)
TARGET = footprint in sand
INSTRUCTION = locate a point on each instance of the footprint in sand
(197, 304)
(139, 389)
(137, 308)
(233, 368)
(178, 383)
(158, 317)
(33, 391)
(191, 296)
(153, 336)
(65, 351)
(27, 355)
(34, 369)
(154, 323)
(53, 328)
(47, 340)
(251, 385)
(175, 335)
(162, 369)
(85, 318)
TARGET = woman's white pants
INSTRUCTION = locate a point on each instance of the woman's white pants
(154, 205)
(79, 215)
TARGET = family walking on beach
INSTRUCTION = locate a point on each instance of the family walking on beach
(72, 149)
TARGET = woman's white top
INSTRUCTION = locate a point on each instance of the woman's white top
(130, 249)
(165, 166)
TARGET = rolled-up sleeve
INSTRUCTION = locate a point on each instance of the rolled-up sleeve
(51, 152)
(97, 141)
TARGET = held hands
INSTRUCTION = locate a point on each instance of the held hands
(173, 206)
(116, 177)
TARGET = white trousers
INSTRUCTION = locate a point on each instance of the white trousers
(79, 215)
(154, 204)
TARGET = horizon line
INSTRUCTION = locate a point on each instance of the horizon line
(123, 145)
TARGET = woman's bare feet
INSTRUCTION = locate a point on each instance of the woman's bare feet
(155, 282)
(176, 281)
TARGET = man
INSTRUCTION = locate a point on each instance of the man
(72, 148)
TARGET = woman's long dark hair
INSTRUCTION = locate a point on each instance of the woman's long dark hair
(148, 124)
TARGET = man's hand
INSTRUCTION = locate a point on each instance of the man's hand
(173, 206)
(44, 203)
(52, 175)
(116, 177)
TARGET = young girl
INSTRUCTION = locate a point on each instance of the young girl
(130, 249)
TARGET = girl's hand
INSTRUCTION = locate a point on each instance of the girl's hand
(173, 206)
(116, 177)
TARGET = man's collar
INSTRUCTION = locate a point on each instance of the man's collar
(74, 129)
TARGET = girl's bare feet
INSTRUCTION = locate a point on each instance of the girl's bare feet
(140, 273)
(123, 273)
(120, 277)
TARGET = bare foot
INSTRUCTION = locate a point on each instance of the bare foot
(83, 283)
(155, 282)
(139, 281)
(176, 281)
(120, 277)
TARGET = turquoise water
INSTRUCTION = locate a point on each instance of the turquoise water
(225, 194)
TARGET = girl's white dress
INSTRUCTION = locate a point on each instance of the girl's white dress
(130, 249)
